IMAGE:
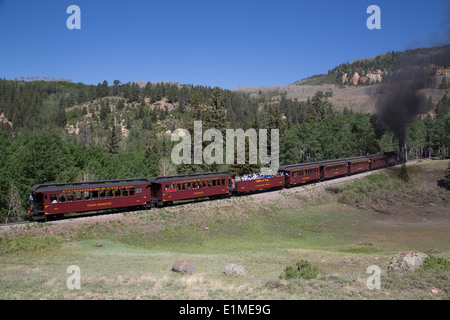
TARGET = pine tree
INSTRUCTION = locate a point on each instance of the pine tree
(444, 84)
(60, 117)
(105, 109)
(112, 142)
(404, 174)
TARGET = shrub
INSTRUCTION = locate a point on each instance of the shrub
(303, 269)
(436, 263)
(404, 175)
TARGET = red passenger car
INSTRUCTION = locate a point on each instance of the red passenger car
(333, 168)
(169, 189)
(358, 164)
(60, 198)
(301, 173)
(260, 184)
(377, 161)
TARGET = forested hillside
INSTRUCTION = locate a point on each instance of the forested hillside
(57, 131)
(380, 68)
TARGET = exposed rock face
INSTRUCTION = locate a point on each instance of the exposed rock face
(234, 270)
(184, 266)
(441, 71)
(408, 261)
(344, 78)
(355, 78)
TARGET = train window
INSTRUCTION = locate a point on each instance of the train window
(110, 194)
(167, 186)
(179, 186)
(209, 183)
(139, 190)
(194, 185)
(94, 195)
(204, 183)
(117, 193)
(62, 197)
(189, 185)
(183, 185)
(70, 197)
(132, 192)
(102, 194)
(124, 192)
(78, 196)
(87, 195)
(223, 182)
(218, 182)
(53, 198)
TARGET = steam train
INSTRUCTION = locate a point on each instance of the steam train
(57, 199)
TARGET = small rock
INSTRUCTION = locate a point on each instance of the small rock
(407, 261)
(99, 244)
(184, 266)
(432, 251)
(234, 270)
(434, 291)
(361, 243)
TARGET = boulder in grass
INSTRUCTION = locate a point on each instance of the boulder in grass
(183, 266)
(234, 270)
(407, 261)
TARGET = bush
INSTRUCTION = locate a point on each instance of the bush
(447, 176)
(303, 270)
(436, 263)
(404, 175)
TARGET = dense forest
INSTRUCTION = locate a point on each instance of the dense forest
(57, 131)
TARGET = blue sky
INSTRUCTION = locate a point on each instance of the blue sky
(228, 44)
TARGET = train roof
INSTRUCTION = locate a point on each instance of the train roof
(186, 177)
(325, 162)
(86, 185)
(356, 158)
(298, 166)
(329, 162)
(371, 156)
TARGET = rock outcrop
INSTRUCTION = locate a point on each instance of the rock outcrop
(234, 270)
(183, 266)
(407, 261)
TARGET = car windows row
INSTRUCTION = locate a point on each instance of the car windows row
(305, 172)
(93, 195)
(194, 185)
(337, 167)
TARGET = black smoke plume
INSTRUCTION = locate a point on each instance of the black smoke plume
(399, 99)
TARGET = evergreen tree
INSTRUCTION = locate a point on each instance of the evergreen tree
(104, 109)
(112, 142)
(404, 174)
(60, 117)
(447, 177)
(444, 84)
